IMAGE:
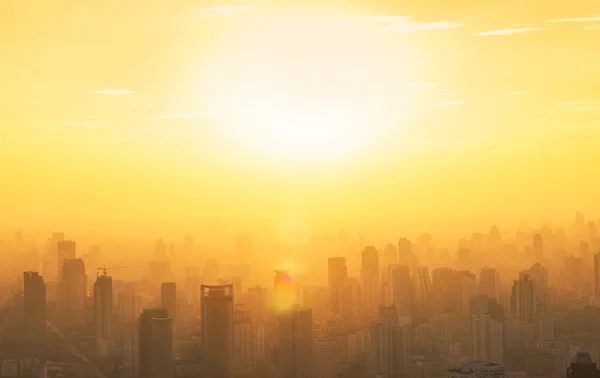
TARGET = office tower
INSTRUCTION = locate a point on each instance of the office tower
(295, 339)
(390, 344)
(103, 309)
(258, 304)
(422, 287)
(155, 338)
(242, 336)
(284, 295)
(370, 294)
(523, 298)
(406, 255)
(73, 285)
(574, 273)
(129, 304)
(258, 344)
(350, 302)
(539, 275)
(34, 307)
(543, 327)
(338, 272)
(487, 339)
(168, 298)
(400, 288)
(370, 259)
(467, 288)
(582, 366)
(326, 364)
(217, 320)
(131, 351)
(489, 282)
(538, 248)
(512, 332)
(390, 255)
(597, 278)
(65, 250)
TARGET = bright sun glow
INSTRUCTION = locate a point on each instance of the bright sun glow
(307, 88)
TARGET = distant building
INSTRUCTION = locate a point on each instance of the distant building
(155, 337)
(295, 339)
(337, 273)
(489, 282)
(34, 297)
(523, 298)
(65, 250)
(131, 351)
(168, 298)
(217, 322)
(400, 288)
(477, 369)
(73, 285)
(390, 344)
(487, 338)
(242, 338)
(103, 309)
(326, 362)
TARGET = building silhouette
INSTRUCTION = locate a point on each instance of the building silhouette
(582, 366)
(168, 298)
(34, 297)
(487, 338)
(155, 337)
(73, 285)
(217, 320)
(400, 288)
(337, 273)
(523, 299)
(489, 282)
(103, 309)
(295, 339)
(390, 344)
(242, 336)
(65, 250)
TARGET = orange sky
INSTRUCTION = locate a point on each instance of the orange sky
(165, 115)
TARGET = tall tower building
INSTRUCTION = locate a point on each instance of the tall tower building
(422, 287)
(295, 339)
(65, 250)
(371, 288)
(538, 248)
(258, 304)
(467, 288)
(217, 320)
(350, 302)
(73, 285)
(326, 364)
(543, 327)
(155, 338)
(390, 255)
(370, 259)
(103, 308)
(406, 255)
(34, 304)
(131, 349)
(390, 344)
(597, 278)
(487, 339)
(242, 337)
(539, 275)
(168, 298)
(400, 288)
(523, 298)
(489, 282)
(338, 272)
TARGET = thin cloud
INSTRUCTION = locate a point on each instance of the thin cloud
(78, 124)
(448, 103)
(172, 116)
(413, 85)
(112, 92)
(575, 19)
(593, 27)
(406, 25)
(220, 11)
(511, 31)
(515, 93)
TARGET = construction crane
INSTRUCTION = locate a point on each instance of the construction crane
(105, 268)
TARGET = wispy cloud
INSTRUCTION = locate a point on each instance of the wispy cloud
(582, 106)
(135, 140)
(407, 25)
(78, 124)
(413, 85)
(220, 11)
(172, 116)
(575, 19)
(593, 27)
(448, 103)
(511, 31)
(112, 92)
(516, 93)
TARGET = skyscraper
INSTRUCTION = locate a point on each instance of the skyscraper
(422, 287)
(539, 275)
(73, 285)
(597, 278)
(131, 349)
(538, 248)
(371, 290)
(168, 298)
(103, 308)
(326, 364)
(523, 298)
(338, 272)
(390, 255)
(406, 255)
(242, 336)
(217, 319)
(370, 259)
(350, 302)
(487, 339)
(258, 304)
(400, 288)
(34, 293)
(65, 250)
(489, 282)
(295, 339)
(155, 344)
(390, 344)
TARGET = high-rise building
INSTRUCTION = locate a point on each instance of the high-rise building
(217, 320)
(422, 287)
(34, 297)
(582, 366)
(370, 294)
(406, 255)
(390, 344)
(523, 298)
(258, 344)
(155, 348)
(390, 255)
(326, 364)
(242, 336)
(73, 286)
(350, 302)
(543, 327)
(131, 349)
(597, 278)
(467, 288)
(103, 308)
(168, 298)
(539, 275)
(258, 304)
(487, 339)
(295, 339)
(338, 272)
(400, 288)
(160, 250)
(489, 282)
(538, 248)
(512, 332)
(370, 260)
(65, 250)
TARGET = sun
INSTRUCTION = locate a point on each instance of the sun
(306, 88)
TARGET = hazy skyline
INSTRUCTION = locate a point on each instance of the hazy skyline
(177, 115)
